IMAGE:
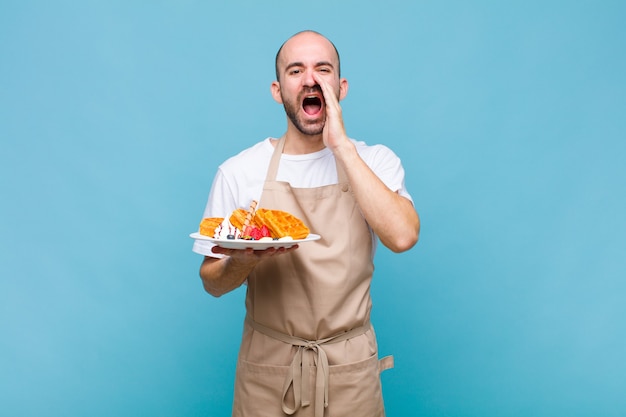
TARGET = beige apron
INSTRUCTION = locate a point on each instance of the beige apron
(308, 347)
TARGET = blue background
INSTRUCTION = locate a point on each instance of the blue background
(509, 118)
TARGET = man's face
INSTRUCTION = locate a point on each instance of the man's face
(301, 56)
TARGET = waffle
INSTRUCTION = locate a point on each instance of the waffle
(208, 225)
(238, 218)
(281, 223)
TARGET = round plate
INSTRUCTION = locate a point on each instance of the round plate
(254, 244)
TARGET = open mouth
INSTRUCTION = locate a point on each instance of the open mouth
(312, 105)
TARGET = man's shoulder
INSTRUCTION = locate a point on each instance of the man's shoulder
(374, 151)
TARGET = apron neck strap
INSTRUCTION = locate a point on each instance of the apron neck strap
(273, 168)
(275, 161)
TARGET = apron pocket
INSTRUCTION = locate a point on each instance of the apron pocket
(258, 390)
(355, 389)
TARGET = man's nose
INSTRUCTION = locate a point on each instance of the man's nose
(308, 80)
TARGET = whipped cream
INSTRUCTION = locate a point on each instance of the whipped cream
(226, 228)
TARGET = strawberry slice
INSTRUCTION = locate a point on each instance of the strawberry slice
(254, 233)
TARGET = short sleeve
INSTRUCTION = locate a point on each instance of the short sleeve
(387, 166)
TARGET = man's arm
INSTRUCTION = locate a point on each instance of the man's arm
(392, 217)
(222, 275)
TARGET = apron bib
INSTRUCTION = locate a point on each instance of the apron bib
(308, 348)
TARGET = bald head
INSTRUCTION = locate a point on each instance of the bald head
(304, 34)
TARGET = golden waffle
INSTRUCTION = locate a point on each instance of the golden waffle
(208, 225)
(238, 217)
(281, 223)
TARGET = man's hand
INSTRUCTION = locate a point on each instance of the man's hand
(222, 275)
(334, 134)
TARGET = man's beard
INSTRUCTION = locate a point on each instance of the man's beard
(308, 129)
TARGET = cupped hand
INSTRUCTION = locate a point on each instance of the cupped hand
(334, 133)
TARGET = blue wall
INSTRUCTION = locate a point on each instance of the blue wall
(509, 117)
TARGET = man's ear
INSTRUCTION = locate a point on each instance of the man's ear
(275, 89)
(343, 88)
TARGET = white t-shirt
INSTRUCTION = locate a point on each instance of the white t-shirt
(240, 179)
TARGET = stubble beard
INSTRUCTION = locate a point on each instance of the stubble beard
(309, 129)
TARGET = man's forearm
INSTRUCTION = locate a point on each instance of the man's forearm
(392, 217)
(222, 275)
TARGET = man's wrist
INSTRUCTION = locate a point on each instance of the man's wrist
(345, 152)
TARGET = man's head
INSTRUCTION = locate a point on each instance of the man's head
(278, 54)
(300, 60)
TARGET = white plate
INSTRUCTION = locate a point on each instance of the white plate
(254, 244)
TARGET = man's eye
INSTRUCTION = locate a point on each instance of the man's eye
(295, 71)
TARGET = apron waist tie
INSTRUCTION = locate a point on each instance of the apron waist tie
(298, 375)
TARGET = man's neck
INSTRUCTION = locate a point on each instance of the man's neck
(297, 143)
